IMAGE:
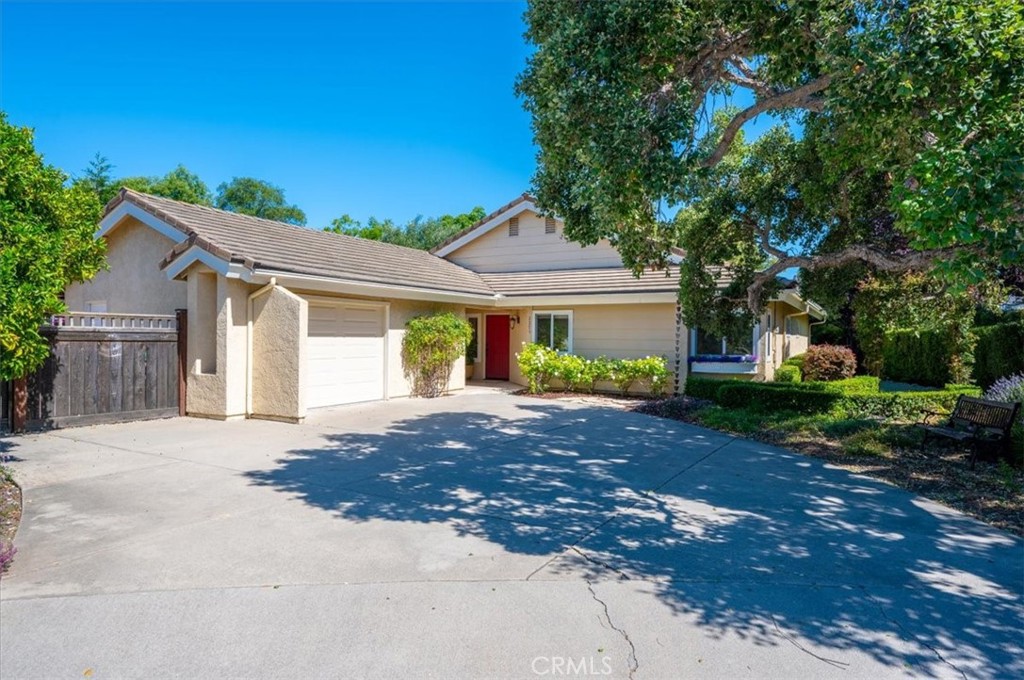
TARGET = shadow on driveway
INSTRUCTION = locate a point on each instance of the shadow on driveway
(742, 537)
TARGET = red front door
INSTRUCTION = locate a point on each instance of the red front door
(496, 347)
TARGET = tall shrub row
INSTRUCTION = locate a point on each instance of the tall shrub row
(542, 366)
(999, 352)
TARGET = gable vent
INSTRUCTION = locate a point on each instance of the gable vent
(513, 226)
(549, 225)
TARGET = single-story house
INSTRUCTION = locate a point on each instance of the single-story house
(282, 319)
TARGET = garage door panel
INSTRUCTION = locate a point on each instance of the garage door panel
(345, 351)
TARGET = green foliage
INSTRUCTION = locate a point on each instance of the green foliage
(702, 388)
(424, 234)
(180, 184)
(540, 365)
(912, 130)
(787, 374)
(255, 197)
(768, 397)
(536, 363)
(829, 362)
(922, 358)
(999, 352)
(98, 178)
(46, 229)
(430, 347)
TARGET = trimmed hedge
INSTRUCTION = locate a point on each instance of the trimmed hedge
(854, 397)
(787, 374)
(922, 358)
(541, 365)
(999, 352)
(779, 397)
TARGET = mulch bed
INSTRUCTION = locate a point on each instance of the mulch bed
(10, 514)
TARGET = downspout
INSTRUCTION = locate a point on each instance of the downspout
(248, 342)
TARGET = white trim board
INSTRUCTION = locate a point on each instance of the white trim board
(231, 270)
(114, 218)
(487, 226)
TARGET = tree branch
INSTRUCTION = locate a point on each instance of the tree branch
(798, 98)
(912, 261)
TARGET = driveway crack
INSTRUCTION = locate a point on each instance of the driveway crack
(831, 662)
(634, 662)
(623, 576)
(909, 636)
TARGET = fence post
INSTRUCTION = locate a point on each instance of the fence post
(182, 323)
(19, 410)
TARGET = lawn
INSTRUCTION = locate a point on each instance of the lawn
(867, 427)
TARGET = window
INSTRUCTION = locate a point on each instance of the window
(553, 329)
(549, 225)
(707, 344)
(513, 226)
(793, 326)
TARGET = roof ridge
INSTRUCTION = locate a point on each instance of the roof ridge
(525, 196)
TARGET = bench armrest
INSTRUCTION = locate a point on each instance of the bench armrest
(929, 414)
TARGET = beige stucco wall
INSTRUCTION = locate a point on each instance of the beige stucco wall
(613, 331)
(279, 322)
(133, 284)
(531, 250)
(220, 394)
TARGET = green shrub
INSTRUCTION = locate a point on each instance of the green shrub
(704, 388)
(903, 406)
(430, 346)
(766, 397)
(797, 361)
(787, 374)
(575, 372)
(999, 352)
(922, 358)
(829, 362)
(653, 371)
(537, 364)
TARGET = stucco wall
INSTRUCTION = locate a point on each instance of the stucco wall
(279, 322)
(531, 250)
(134, 283)
(220, 394)
(613, 331)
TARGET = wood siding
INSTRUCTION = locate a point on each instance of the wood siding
(532, 250)
(95, 376)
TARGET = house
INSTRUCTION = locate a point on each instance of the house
(282, 319)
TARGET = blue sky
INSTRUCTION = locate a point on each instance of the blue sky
(384, 109)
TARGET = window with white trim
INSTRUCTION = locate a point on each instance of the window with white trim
(553, 330)
(705, 343)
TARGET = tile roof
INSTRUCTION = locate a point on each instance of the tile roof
(602, 281)
(266, 244)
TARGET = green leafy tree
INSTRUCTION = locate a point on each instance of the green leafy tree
(46, 232)
(420, 233)
(98, 177)
(915, 102)
(179, 184)
(251, 196)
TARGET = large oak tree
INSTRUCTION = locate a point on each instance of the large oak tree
(913, 108)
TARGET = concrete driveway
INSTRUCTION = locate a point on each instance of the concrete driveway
(487, 535)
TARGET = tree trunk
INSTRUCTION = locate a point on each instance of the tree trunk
(19, 412)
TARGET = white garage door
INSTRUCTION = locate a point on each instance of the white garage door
(345, 352)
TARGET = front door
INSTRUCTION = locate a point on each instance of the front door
(497, 345)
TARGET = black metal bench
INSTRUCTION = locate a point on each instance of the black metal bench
(975, 420)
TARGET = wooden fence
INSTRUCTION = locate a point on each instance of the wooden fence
(105, 368)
